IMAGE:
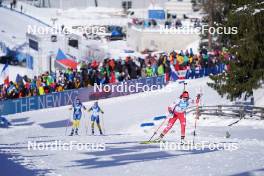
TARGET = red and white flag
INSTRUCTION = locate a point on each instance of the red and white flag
(5, 74)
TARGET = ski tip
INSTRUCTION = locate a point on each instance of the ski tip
(145, 142)
(150, 142)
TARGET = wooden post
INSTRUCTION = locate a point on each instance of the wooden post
(219, 110)
(241, 112)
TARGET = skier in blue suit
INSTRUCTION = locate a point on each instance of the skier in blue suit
(95, 117)
(77, 107)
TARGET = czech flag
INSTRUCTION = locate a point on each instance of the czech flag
(5, 74)
(64, 60)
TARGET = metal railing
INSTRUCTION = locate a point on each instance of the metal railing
(234, 111)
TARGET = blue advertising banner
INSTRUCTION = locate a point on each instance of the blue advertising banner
(85, 94)
(156, 14)
(37, 102)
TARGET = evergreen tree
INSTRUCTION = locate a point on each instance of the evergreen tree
(247, 46)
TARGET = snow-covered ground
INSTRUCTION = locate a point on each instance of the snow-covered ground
(13, 27)
(123, 154)
(80, 4)
(75, 17)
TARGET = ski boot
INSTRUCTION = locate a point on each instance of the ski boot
(76, 131)
(72, 132)
(101, 133)
(183, 142)
(92, 131)
(228, 134)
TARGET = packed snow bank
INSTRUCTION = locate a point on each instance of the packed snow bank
(258, 96)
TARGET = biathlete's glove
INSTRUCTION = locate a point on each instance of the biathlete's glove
(198, 96)
(170, 111)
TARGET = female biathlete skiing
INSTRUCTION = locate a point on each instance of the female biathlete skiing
(178, 111)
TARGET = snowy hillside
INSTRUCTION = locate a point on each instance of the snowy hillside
(123, 154)
(13, 27)
(76, 17)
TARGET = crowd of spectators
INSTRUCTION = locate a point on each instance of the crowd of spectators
(152, 23)
(113, 71)
(170, 22)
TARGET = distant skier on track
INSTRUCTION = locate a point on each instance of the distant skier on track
(178, 110)
(77, 115)
(95, 117)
